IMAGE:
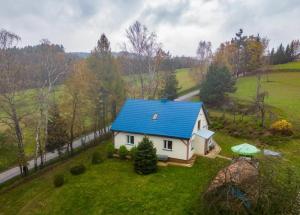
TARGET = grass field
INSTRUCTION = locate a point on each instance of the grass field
(287, 66)
(283, 89)
(112, 187)
(284, 97)
(185, 80)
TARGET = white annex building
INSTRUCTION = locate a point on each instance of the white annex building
(178, 130)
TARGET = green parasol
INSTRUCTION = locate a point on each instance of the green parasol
(245, 149)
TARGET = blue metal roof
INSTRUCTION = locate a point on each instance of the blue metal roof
(174, 118)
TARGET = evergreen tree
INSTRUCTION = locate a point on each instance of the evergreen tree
(217, 83)
(170, 88)
(108, 88)
(145, 160)
(57, 133)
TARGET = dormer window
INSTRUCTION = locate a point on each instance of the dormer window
(155, 116)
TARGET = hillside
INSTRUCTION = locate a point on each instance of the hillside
(292, 66)
(283, 93)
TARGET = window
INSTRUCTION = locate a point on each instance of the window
(168, 144)
(130, 139)
(199, 124)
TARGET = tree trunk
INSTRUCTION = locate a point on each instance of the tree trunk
(19, 136)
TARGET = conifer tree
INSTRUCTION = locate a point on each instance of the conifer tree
(57, 133)
(217, 83)
(145, 160)
(170, 88)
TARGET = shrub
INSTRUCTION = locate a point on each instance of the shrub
(123, 152)
(78, 169)
(96, 158)
(145, 161)
(132, 152)
(110, 150)
(59, 180)
(282, 127)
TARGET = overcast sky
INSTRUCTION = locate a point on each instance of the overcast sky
(179, 24)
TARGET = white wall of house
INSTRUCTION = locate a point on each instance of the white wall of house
(179, 149)
(198, 144)
(203, 121)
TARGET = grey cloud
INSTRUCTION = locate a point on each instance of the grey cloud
(77, 24)
(165, 13)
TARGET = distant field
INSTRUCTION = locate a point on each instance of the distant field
(287, 66)
(185, 80)
(283, 89)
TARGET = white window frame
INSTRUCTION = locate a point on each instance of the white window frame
(166, 145)
(129, 139)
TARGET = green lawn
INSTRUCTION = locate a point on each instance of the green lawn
(185, 80)
(287, 66)
(112, 187)
(283, 89)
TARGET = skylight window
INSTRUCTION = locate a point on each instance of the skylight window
(155, 116)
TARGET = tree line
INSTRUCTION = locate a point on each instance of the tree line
(286, 54)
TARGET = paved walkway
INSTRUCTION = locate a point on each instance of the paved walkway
(188, 96)
(15, 171)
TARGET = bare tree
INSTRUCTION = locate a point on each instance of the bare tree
(53, 67)
(11, 85)
(260, 101)
(204, 57)
(145, 53)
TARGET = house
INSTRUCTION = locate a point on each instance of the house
(178, 130)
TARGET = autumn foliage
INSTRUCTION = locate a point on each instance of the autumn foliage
(282, 127)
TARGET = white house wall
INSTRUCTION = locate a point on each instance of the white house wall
(202, 117)
(198, 142)
(179, 149)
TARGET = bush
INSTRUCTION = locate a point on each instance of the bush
(145, 161)
(110, 150)
(282, 127)
(96, 158)
(77, 170)
(59, 180)
(132, 152)
(123, 152)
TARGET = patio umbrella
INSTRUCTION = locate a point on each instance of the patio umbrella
(245, 149)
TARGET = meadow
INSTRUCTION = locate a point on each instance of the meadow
(186, 82)
(283, 93)
(291, 66)
(283, 99)
(112, 187)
